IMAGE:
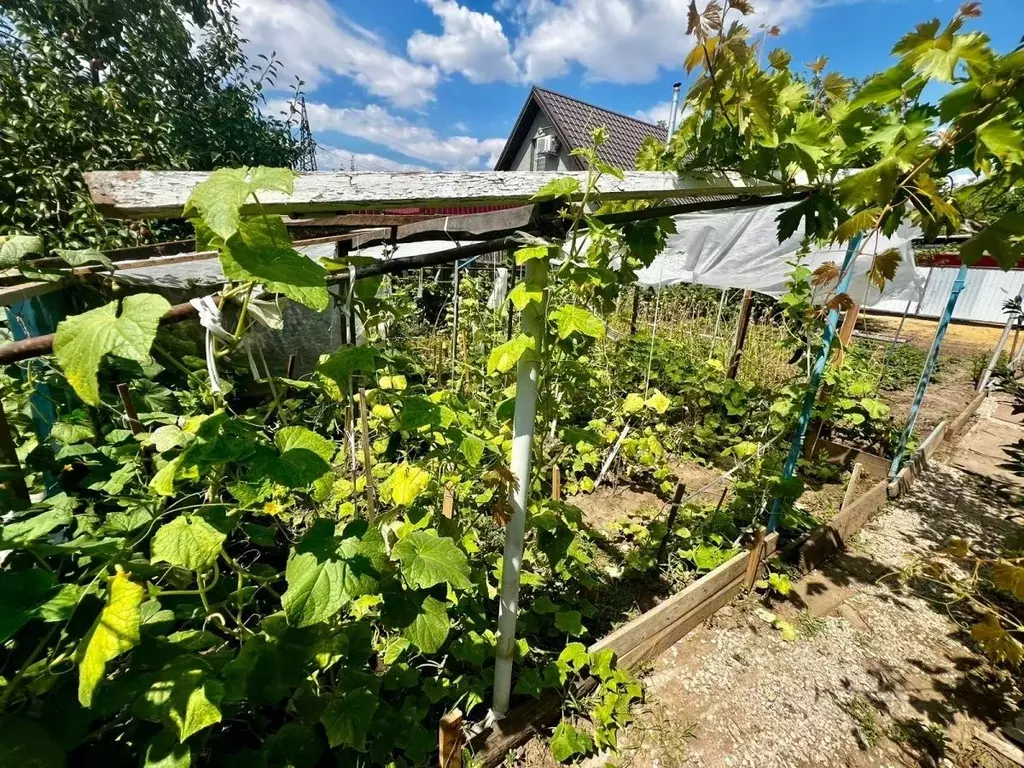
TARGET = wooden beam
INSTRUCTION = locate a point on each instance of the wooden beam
(162, 194)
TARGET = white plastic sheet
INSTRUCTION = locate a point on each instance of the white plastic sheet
(739, 249)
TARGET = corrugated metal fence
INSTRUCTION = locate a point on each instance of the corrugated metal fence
(982, 300)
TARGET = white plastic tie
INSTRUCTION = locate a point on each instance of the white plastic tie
(210, 319)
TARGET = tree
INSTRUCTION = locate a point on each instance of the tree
(122, 84)
(779, 123)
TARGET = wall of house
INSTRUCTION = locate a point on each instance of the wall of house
(541, 127)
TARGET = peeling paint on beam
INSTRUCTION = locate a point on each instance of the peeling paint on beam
(162, 194)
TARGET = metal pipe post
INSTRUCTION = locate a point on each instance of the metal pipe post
(527, 373)
(831, 321)
(929, 368)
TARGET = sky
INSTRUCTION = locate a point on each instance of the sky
(404, 85)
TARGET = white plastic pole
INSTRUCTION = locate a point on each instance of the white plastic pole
(527, 373)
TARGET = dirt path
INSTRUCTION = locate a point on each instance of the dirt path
(877, 675)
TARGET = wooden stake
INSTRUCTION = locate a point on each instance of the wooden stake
(556, 483)
(673, 511)
(755, 559)
(846, 332)
(636, 310)
(9, 459)
(851, 488)
(371, 503)
(129, 408)
(449, 740)
(289, 371)
(741, 335)
(448, 506)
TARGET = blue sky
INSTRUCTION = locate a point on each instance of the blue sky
(437, 84)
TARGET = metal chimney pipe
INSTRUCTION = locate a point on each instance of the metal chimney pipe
(675, 110)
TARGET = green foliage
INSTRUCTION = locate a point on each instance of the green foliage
(115, 85)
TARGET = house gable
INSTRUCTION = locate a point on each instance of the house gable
(571, 121)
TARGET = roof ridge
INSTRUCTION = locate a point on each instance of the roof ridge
(595, 106)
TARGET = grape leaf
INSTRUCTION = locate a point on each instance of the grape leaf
(570, 622)
(430, 628)
(570, 320)
(564, 187)
(16, 247)
(472, 448)
(348, 717)
(1003, 239)
(524, 255)
(658, 402)
(998, 644)
(115, 631)
(428, 559)
(1009, 578)
(347, 360)
(187, 541)
(82, 341)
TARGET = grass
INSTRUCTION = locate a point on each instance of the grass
(865, 715)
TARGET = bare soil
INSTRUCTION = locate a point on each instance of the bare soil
(879, 673)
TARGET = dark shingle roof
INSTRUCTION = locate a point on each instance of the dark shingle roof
(574, 120)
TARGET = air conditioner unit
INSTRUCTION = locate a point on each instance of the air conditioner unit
(547, 145)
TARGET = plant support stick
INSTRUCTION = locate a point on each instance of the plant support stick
(929, 368)
(527, 373)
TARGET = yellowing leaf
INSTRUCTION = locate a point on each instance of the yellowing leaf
(523, 294)
(503, 357)
(826, 274)
(883, 269)
(859, 222)
(570, 320)
(1009, 578)
(633, 403)
(405, 484)
(115, 631)
(658, 402)
(82, 341)
(398, 382)
(997, 643)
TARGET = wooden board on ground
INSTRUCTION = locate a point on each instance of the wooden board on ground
(831, 538)
(635, 643)
(838, 453)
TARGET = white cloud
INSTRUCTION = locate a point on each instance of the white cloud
(315, 42)
(377, 125)
(471, 43)
(622, 41)
(657, 113)
(330, 158)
